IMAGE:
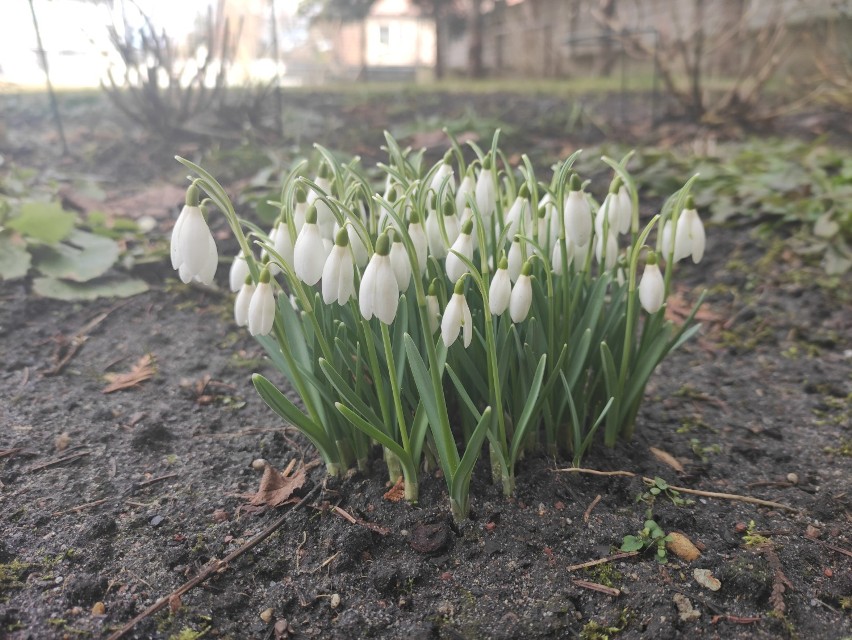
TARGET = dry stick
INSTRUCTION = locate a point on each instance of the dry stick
(53, 463)
(831, 546)
(148, 483)
(588, 511)
(594, 563)
(694, 492)
(214, 567)
(9, 452)
(80, 507)
(594, 586)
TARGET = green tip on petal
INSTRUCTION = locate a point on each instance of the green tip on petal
(690, 202)
(575, 184)
(383, 245)
(449, 208)
(324, 172)
(467, 227)
(342, 238)
(504, 263)
(448, 156)
(526, 270)
(264, 276)
(311, 215)
(615, 185)
(524, 191)
(192, 195)
(651, 258)
(459, 288)
(301, 196)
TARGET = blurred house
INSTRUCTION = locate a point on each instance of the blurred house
(396, 41)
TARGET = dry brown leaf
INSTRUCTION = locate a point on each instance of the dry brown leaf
(666, 458)
(396, 492)
(706, 579)
(682, 547)
(277, 487)
(143, 370)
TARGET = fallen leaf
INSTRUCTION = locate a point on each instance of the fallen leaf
(666, 458)
(143, 370)
(682, 547)
(396, 492)
(277, 487)
(705, 578)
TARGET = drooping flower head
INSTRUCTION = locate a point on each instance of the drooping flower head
(309, 253)
(500, 291)
(261, 313)
(455, 267)
(379, 292)
(239, 271)
(486, 199)
(578, 213)
(433, 309)
(242, 302)
(457, 318)
(689, 236)
(193, 250)
(652, 287)
(521, 298)
(338, 274)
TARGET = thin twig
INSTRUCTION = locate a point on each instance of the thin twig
(594, 563)
(53, 463)
(831, 546)
(588, 511)
(594, 586)
(694, 492)
(214, 567)
(148, 483)
(4, 453)
(80, 507)
(382, 531)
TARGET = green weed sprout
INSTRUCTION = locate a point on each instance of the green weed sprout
(440, 315)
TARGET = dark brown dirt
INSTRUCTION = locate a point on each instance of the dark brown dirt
(762, 394)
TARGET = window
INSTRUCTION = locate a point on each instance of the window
(384, 34)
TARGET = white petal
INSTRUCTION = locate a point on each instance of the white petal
(299, 214)
(367, 292)
(499, 292)
(261, 310)
(359, 249)
(467, 323)
(433, 312)
(698, 238)
(556, 256)
(440, 175)
(466, 186)
(611, 249)
(666, 241)
(683, 236)
(451, 226)
(331, 274)
(401, 265)
(521, 299)
(485, 199)
(652, 289)
(578, 218)
(579, 254)
(238, 273)
(241, 304)
(516, 261)
(625, 210)
(283, 244)
(195, 240)
(309, 255)
(452, 320)
(455, 268)
(175, 245)
(208, 269)
(387, 292)
(421, 246)
(433, 236)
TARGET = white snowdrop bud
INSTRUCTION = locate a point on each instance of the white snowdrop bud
(261, 313)
(457, 319)
(521, 298)
(338, 274)
(455, 267)
(238, 273)
(379, 292)
(652, 287)
(309, 253)
(577, 214)
(500, 290)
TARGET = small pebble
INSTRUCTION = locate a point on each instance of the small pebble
(335, 600)
(266, 615)
(793, 478)
(62, 441)
(156, 521)
(59, 579)
(259, 464)
(98, 609)
(828, 573)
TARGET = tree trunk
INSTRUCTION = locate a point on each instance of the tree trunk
(439, 39)
(474, 61)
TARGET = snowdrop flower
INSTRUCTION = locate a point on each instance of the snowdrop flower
(578, 214)
(486, 199)
(193, 250)
(356, 244)
(444, 172)
(282, 243)
(379, 293)
(457, 318)
(401, 264)
(516, 259)
(607, 216)
(238, 273)
(689, 236)
(579, 254)
(434, 240)
(325, 218)
(455, 267)
(652, 288)
(418, 239)
(519, 215)
(466, 186)
(242, 302)
(556, 256)
(261, 312)
(300, 210)
(521, 298)
(552, 216)
(606, 253)
(500, 291)
(309, 252)
(433, 309)
(338, 274)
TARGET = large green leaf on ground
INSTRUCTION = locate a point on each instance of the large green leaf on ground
(81, 257)
(45, 221)
(14, 259)
(118, 287)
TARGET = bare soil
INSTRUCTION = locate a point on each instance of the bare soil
(120, 498)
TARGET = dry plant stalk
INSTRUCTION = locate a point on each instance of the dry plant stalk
(161, 86)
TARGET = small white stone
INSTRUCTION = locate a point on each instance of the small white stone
(258, 464)
(335, 600)
(792, 478)
(266, 615)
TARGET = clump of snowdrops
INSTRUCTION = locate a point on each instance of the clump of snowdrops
(462, 308)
